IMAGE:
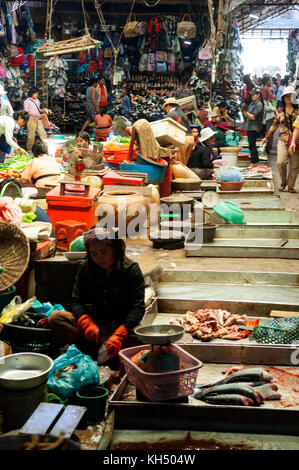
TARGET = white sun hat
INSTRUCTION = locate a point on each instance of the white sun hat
(206, 134)
(288, 90)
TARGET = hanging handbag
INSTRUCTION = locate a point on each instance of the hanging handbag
(32, 34)
(161, 56)
(130, 27)
(186, 28)
(205, 51)
(161, 66)
(172, 65)
(152, 58)
(154, 29)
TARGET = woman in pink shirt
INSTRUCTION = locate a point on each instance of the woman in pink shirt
(32, 106)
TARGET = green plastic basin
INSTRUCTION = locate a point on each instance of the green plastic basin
(230, 212)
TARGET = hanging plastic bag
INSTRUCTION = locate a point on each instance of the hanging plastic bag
(205, 51)
(81, 371)
(46, 308)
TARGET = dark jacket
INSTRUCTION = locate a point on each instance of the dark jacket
(220, 140)
(200, 157)
(120, 297)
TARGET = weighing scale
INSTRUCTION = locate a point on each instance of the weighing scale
(210, 199)
(75, 200)
(161, 335)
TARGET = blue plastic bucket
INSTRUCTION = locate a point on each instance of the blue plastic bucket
(155, 171)
(6, 297)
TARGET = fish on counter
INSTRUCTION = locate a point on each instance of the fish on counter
(252, 386)
(232, 399)
(236, 389)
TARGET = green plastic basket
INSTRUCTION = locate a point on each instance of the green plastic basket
(278, 331)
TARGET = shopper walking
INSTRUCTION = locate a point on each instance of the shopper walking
(266, 90)
(92, 102)
(279, 92)
(32, 106)
(269, 116)
(102, 90)
(254, 123)
(125, 102)
(285, 120)
(247, 88)
(7, 139)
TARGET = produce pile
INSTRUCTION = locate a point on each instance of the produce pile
(17, 163)
(10, 174)
(207, 324)
(245, 387)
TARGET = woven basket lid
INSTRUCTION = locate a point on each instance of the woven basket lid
(14, 254)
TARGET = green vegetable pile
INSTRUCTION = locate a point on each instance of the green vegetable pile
(29, 217)
(16, 163)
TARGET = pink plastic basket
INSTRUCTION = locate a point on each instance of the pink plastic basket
(163, 385)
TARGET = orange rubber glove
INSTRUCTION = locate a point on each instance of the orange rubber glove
(114, 343)
(90, 328)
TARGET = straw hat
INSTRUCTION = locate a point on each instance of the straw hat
(169, 101)
(212, 114)
(206, 134)
(288, 90)
(14, 254)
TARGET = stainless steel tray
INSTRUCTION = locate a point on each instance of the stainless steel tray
(262, 218)
(250, 188)
(138, 439)
(245, 248)
(253, 293)
(196, 415)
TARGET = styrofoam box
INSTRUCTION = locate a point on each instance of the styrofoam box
(167, 131)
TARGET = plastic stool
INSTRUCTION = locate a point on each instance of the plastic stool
(66, 231)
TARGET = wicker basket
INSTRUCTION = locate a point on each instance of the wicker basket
(14, 254)
(163, 385)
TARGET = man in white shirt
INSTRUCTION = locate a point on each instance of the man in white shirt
(7, 125)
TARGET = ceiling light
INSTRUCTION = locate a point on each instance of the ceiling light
(255, 17)
(188, 42)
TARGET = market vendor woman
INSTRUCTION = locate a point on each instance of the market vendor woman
(108, 298)
(201, 159)
(43, 170)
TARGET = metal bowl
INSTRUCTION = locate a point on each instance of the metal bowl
(159, 334)
(23, 371)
